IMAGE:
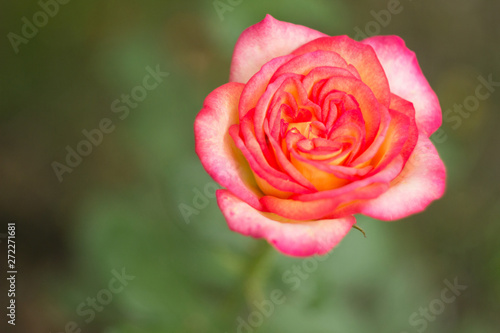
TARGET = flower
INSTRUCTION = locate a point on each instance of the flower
(312, 129)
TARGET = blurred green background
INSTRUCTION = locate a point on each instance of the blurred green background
(119, 208)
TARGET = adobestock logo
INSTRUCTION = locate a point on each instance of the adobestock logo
(121, 106)
(420, 320)
(471, 103)
(382, 19)
(30, 28)
(93, 305)
(264, 309)
(225, 6)
(201, 200)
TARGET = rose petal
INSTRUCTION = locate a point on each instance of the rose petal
(361, 56)
(286, 165)
(288, 81)
(293, 238)
(407, 81)
(406, 108)
(257, 85)
(395, 139)
(305, 63)
(421, 181)
(368, 104)
(323, 74)
(319, 209)
(264, 41)
(215, 147)
(364, 158)
(326, 203)
(269, 180)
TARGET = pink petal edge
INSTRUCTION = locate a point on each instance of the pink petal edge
(407, 80)
(299, 239)
(265, 41)
(421, 182)
(214, 145)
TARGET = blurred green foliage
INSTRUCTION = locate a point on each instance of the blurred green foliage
(120, 207)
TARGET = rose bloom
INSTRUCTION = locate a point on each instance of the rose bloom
(312, 129)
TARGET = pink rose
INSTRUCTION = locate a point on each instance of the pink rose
(312, 129)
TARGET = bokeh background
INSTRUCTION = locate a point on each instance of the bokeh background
(119, 208)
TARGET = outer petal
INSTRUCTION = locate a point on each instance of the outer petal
(407, 81)
(215, 147)
(293, 238)
(264, 41)
(421, 181)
